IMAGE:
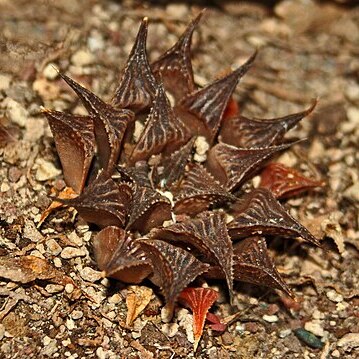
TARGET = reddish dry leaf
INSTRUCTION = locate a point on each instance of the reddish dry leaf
(117, 255)
(260, 213)
(198, 191)
(75, 144)
(202, 111)
(232, 165)
(174, 67)
(286, 182)
(110, 124)
(231, 111)
(243, 132)
(163, 132)
(27, 269)
(199, 300)
(174, 268)
(207, 234)
(137, 85)
(104, 202)
(215, 323)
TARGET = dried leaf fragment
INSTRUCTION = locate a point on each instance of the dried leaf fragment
(199, 300)
(136, 301)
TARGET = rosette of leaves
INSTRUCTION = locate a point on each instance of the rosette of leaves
(163, 213)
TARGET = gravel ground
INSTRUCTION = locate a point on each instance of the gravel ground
(60, 307)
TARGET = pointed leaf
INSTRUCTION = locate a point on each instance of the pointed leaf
(202, 111)
(163, 132)
(149, 209)
(253, 264)
(233, 165)
(199, 300)
(171, 168)
(117, 255)
(174, 67)
(261, 213)
(137, 85)
(174, 268)
(110, 124)
(138, 174)
(103, 202)
(75, 144)
(136, 301)
(208, 234)
(285, 182)
(254, 133)
(198, 191)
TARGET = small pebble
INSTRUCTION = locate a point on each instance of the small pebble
(170, 329)
(50, 71)
(54, 288)
(90, 274)
(5, 81)
(82, 58)
(334, 296)
(270, 318)
(284, 333)
(349, 341)
(70, 324)
(53, 247)
(16, 112)
(101, 353)
(315, 327)
(57, 262)
(45, 170)
(4, 187)
(77, 314)
(336, 353)
(71, 252)
(69, 288)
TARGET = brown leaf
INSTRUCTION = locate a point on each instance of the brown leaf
(163, 132)
(118, 256)
(149, 209)
(136, 301)
(174, 67)
(75, 144)
(26, 269)
(260, 213)
(233, 165)
(199, 300)
(174, 268)
(137, 85)
(110, 124)
(198, 191)
(138, 174)
(202, 111)
(171, 168)
(285, 182)
(103, 202)
(243, 132)
(208, 234)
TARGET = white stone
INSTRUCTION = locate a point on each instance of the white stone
(82, 57)
(334, 296)
(69, 288)
(349, 341)
(57, 262)
(90, 274)
(45, 170)
(5, 81)
(50, 71)
(71, 252)
(16, 112)
(53, 247)
(54, 288)
(315, 327)
(4, 187)
(70, 324)
(270, 318)
(170, 329)
(101, 353)
(353, 114)
(77, 314)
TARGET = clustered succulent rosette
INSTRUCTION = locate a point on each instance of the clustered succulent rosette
(168, 209)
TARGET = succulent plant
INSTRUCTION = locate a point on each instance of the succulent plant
(170, 199)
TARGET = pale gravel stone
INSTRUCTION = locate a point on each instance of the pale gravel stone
(284, 333)
(5, 81)
(77, 314)
(50, 71)
(82, 57)
(75, 239)
(90, 274)
(170, 329)
(334, 296)
(69, 288)
(54, 288)
(31, 232)
(53, 247)
(45, 170)
(4, 187)
(270, 318)
(70, 324)
(336, 353)
(349, 341)
(101, 353)
(115, 299)
(315, 327)
(16, 112)
(57, 262)
(71, 252)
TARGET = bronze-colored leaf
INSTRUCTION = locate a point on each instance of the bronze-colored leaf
(209, 235)
(198, 191)
(171, 168)
(199, 300)
(137, 87)
(75, 144)
(260, 213)
(202, 111)
(103, 202)
(255, 133)
(118, 256)
(285, 182)
(174, 268)
(174, 67)
(163, 132)
(233, 165)
(149, 209)
(110, 124)
(253, 264)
